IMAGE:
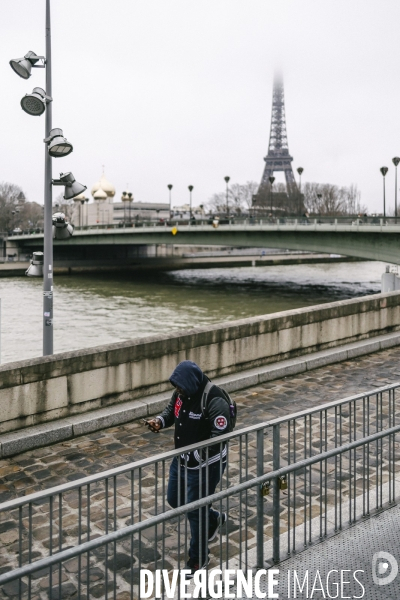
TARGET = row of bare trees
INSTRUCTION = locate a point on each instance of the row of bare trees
(15, 211)
(315, 199)
(332, 200)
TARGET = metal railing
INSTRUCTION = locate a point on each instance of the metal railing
(265, 220)
(361, 473)
(65, 515)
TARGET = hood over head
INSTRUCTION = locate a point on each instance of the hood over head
(187, 376)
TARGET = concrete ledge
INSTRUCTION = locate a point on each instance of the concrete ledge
(64, 429)
(35, 437)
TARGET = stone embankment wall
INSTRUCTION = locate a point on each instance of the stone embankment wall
(44, 389)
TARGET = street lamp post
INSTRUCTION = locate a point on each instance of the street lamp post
(271, 181)
(190, 188)
(227, 195)
(170, 186)
(384, 170)
(396, 161)
(48, 224)
(300, 171)
(130, 200)
(37, 103)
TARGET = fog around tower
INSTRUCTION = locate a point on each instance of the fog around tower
(172, 91)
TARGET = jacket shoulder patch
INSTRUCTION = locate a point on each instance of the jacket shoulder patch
(220, 422)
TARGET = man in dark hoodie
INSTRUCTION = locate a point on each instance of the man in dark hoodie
(203, 469)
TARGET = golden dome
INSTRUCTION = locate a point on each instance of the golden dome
(100, 195)
(104, 185)
(95, 187)
(107, 187)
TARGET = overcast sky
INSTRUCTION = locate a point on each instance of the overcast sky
(180, 91)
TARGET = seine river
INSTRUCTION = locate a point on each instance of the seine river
(90, 310)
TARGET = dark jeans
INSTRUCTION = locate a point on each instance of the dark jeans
(196, 553)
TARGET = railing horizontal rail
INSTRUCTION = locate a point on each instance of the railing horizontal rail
(255, 482)
(146, 462)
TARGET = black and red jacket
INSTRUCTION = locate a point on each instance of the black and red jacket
(191, 425)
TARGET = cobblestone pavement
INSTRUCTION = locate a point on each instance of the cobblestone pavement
(67, 461)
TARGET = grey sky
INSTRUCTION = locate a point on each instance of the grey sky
(179, 91)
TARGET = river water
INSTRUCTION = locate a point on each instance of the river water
(90, 310)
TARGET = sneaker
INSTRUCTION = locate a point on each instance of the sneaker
(213, 532)
(194, 566)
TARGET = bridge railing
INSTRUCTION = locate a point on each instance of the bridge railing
(79, 511)
(265, 220)
(313, 497)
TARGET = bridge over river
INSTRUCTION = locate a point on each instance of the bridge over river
(371, 239)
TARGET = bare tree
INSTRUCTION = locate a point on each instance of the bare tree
(12, 199)
(332, 200)
(31, 216)
(240, 197)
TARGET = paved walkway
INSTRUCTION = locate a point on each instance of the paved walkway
(76, 458)
(52, 465)
(354, 554)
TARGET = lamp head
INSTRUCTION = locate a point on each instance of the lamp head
(35, 269)
(271, 179)
(61, 229)
(23, 66)
(384, 170)
(72, 187)
(190, 188)
(396, 161)
(35, 103)
(300, 170)
(227, 179)
(170, 186)
(58, 144)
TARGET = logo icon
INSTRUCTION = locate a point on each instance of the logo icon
(220, 422)
(384, 568)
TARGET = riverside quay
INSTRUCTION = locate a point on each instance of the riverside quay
(310, 487)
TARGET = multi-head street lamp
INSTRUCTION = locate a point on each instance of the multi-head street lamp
(35, 104)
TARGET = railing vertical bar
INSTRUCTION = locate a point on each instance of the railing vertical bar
(79, 539)
(156, 512)
(336, 469)
(289, 508)
(246, 476)
(304, 486)
(340, 467)
(260, 501)
(20, 548)
(310, 479)
(106, 546)
(276, 497)
(132, 481)
(320, 476)
(60, 532)
(326, 473)
(88, 538)
(51, 507)
(294, 483)
(163, 525)
(140, 518)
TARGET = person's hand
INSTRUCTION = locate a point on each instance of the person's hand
(154, 425)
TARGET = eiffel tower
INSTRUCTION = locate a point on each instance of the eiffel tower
(278, 157)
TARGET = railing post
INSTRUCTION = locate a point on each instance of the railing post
(276, 499)
(260, 501)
